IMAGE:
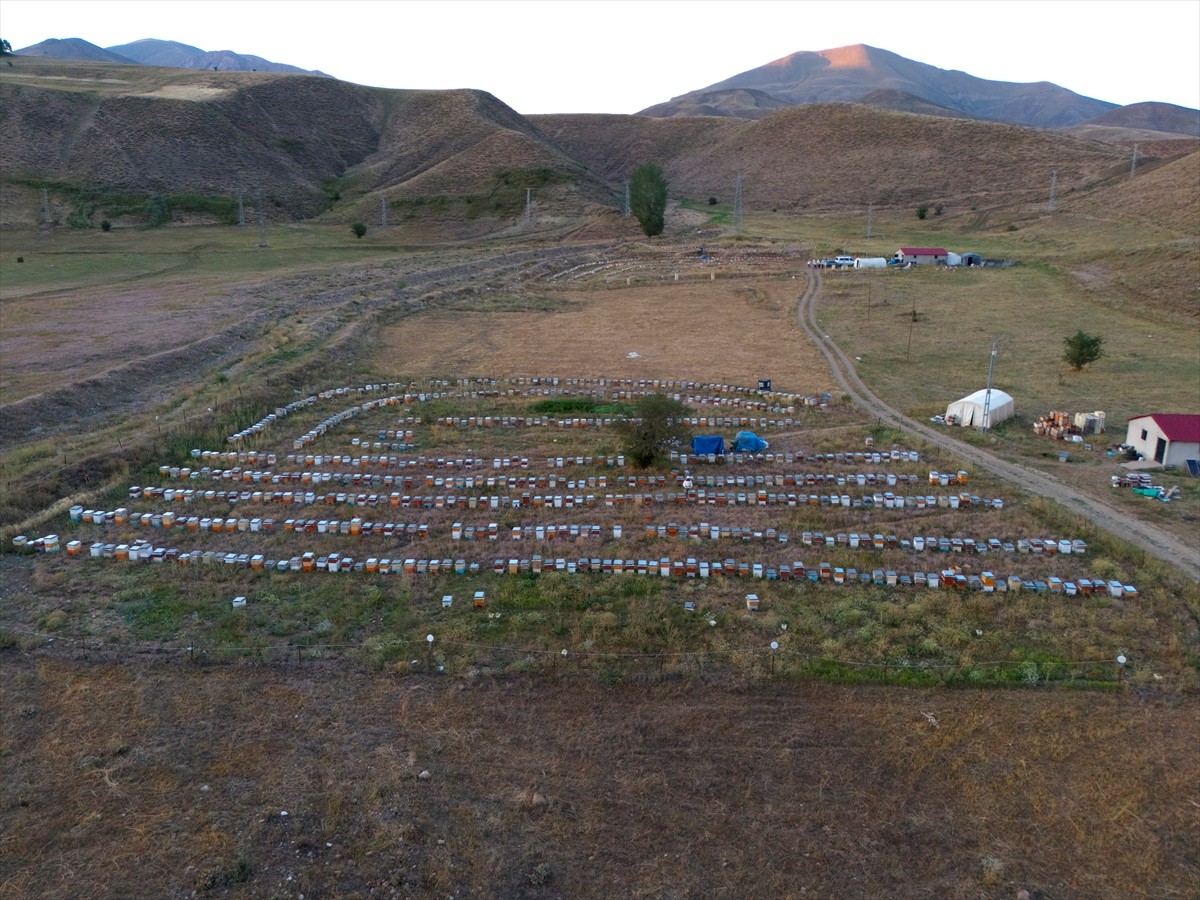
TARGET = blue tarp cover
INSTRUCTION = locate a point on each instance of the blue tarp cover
(748, 442)
(708, 443)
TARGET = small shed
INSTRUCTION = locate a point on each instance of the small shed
(1170, 439)
(978, 410)
(922, 256)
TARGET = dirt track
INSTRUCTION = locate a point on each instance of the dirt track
(1149, 538)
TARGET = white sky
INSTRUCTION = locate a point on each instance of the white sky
(620, 56)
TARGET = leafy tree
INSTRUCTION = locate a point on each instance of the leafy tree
(1082, 348)
(922, 211)
(158, 211)
(5, 47)
(106, 225)
(658, 425)
(359, 229)
(648, 198)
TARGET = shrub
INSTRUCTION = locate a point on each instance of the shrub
(158, 212)
(359, 229)
(106, 226)
(922, 211)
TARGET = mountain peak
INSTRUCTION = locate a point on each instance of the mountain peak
(850, 73)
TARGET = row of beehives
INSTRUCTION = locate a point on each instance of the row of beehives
(761, 497)
(848, 457)
(666, 567)
(419, 397)
(392, 461)
(523, 482)
(357, 527)
(594, 422)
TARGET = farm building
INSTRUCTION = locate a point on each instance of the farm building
(977, 410)
(1167, 438)
(963, 259)
(922, 256)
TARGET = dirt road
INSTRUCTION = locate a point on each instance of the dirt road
(1141, 534)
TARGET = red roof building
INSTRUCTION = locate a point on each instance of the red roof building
(1167, 438)
(922, 256)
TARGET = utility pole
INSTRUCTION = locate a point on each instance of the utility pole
(1133, 162)
(45, 207)
(528, 206)
(626, 207)
(1053, 181)
(241, 211)
(738, 210)
(987, 397)
(262, 219)
(870, 209)
(383, 212)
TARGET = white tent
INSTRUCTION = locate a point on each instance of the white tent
(969, 411)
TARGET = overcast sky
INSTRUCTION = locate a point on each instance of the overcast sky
(620, 56)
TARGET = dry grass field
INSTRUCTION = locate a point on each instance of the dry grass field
(736, 331)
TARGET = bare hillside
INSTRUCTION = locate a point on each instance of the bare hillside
(1153, 117)
(307, 141)
(838, 155)
(1160, 270)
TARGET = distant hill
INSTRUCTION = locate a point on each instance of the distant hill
(1161, 117)
(742, 103)
(855, 72)
(153, 52)
(74, 48)
(888, 98)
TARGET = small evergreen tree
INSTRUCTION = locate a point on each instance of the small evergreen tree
(648, 198)
(1082, 348)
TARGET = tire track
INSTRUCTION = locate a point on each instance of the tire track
(1147, 537)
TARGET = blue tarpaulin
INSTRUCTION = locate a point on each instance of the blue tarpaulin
(703, 444)
(748, 442)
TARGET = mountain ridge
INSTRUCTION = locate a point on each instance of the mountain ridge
(847, 74)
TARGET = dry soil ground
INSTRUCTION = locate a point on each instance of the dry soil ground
(731, 330)
(177, 782)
